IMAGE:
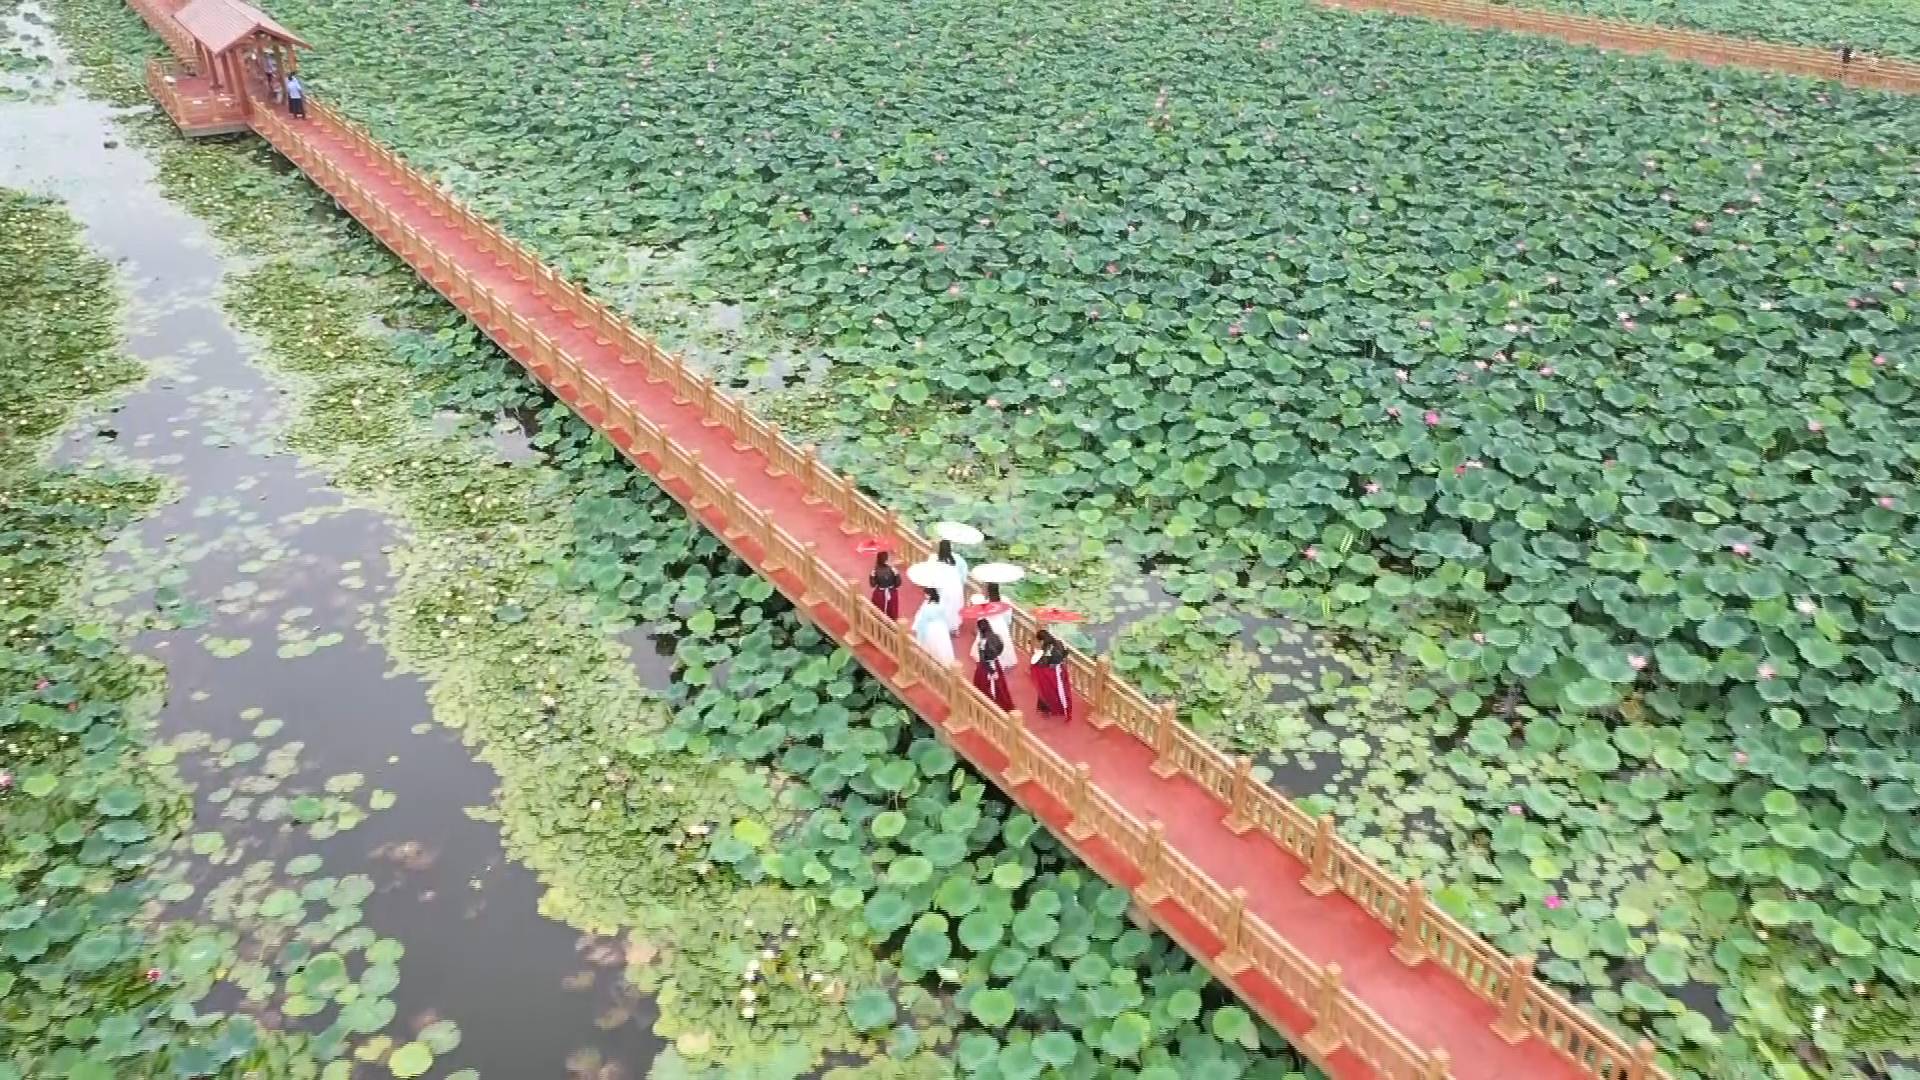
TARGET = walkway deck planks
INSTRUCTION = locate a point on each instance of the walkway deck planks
(1350, 963)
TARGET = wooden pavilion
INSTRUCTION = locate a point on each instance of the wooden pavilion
(234, 46)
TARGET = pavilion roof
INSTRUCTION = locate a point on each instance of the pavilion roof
(219, 25)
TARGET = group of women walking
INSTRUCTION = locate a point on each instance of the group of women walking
(941, 615)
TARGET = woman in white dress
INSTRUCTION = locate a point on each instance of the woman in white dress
(933, 629)
(955, 561)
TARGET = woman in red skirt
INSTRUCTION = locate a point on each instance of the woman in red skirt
(886, 586)
(989, 676)
(1050, 678)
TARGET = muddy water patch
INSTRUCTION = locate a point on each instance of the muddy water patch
(255, 586)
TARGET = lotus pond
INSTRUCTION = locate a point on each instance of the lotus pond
(1563, 394)
(915, 926)
(1887, 27)
(1558, 404)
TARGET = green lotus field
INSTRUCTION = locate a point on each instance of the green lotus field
(1570, 397)
(1513, 445)
(1887, 27)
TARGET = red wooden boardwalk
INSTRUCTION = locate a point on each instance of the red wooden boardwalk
(1350, 963)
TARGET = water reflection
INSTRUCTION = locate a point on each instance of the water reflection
(256, 584)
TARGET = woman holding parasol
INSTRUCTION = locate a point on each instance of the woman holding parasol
(1052, 681)
(989, 673)
(932, 627)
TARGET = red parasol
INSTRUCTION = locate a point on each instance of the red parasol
(870, 545)
(985, 611)
(1057, 614)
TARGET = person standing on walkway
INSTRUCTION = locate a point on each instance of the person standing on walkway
(950, 534)
(994, 575)
(885, 581)
(272, 68)
(1051, 681)
(933, 630)
(989, 675)
(296, 97)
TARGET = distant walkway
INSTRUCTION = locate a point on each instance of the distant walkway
(1872, 72)
(1354, 965)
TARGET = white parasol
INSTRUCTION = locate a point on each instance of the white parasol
(998, 573)
(932, 575)
(953, 532)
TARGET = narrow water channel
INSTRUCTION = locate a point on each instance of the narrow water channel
(279, 578)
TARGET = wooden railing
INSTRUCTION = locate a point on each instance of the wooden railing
(1341, 1021)
(1875, 72)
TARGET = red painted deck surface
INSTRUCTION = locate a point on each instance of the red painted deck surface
(1427, 1005)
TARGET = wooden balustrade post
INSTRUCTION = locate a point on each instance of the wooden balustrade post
(1099, 695)
(1641, 1065)
(1319, 879)
(774, 443)
(1439, 1065)
(1017, 772)
(810, 576)
(810, 475)
(892, 534)
(1233, 955)
(1152, 889)
(1411, 949)
(707, 419)
(1237, 821)
(1512, 1025)
(699, 500)
(1325, 1037)
(730, 504)
(1164, 766)
(1080, 803)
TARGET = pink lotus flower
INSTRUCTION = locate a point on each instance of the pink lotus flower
(1885, 501)
(1479, 638)
(1516, 809)
(1113, 268)
(1393, 411)
(1739, 757)
(42, 684)
(1636, 662)
(6, 780)
(1093, 313)
(1815, 426)
(954, 289)
(1766, 672)
(1459, 470)
(941, 247)
(1426, 324)
(1547, 371)
(993, 403)
(1853, 303)
(1879, 359)
(1629, 325)
(1899, 286)
(1432, 418)
(154, 975)
(1479, 365)
(1312, 554)
(1553, 901)
(1373, 488)
(1401, 374)
(1234, 330)
(1742, 550)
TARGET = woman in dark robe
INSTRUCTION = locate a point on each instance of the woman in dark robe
(886, 586)
(1050, 678)
(989, 677)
